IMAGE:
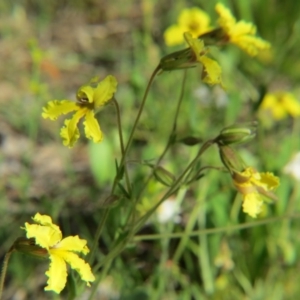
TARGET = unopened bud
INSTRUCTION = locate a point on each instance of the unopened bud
(237, 134)
(190, 141)
(186, 58)
(164, 176)
(231, 159)
(182, 59)
(29, 246)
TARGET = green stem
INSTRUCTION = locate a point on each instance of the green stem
(4, 269)
(203, 249)
(291, 206)
(116, 104)
(185, 236)
(107, 263)
(98, 234)
(99, 278)
(170, 141)
(139, 114)
(124, 154)
(179, 102)
(116, 180)
(227, 229)
(174, 187)
(118, 249)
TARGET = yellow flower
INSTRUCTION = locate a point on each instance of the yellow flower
(61, 251)
(255, 187)
(89, 97)
(190, 57)
(193, 20)
(240, 33)
(280, 105)
(212, 71)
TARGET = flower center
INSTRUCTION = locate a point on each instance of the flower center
(194, 26)
(83, 100)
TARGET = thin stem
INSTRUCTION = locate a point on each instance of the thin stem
(106, 264)
(230, 228)
(180, 101)
(116, 104)
(139, 113)
(4, 269)
(98, 234)
(134, 126)
(95, 284)
(124, 154)
(291, 205)
(170, 141)
(174, 187)
(203, 250)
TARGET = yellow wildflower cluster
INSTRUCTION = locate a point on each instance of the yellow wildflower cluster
(196, 22)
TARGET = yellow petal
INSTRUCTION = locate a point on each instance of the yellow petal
(195, 20)
(70, 132)
(105, 90)
(85, 93)
(269, 181)
(240, 33)
(243, 28)
(55, 108)
(250, 181)
(291, 105)
(211, 71)
(250, 44)
(268, 101)
(92, 127)
(74, 243)
(45, 236)
(196, 45)
(192, 20)
(280, 104)
(57, 274)
(44, 220)
(173, 35)
(77, 264)
(252, 204)
(226, 20)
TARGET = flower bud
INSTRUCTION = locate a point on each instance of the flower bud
(29, 246)
(182, 59)
(190, 141)
(231, 159)
(237, 134)
(164, 176)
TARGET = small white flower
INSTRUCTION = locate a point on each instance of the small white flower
(169, 210)
(293, 167)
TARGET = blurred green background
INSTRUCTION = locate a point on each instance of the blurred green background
(48, 49)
